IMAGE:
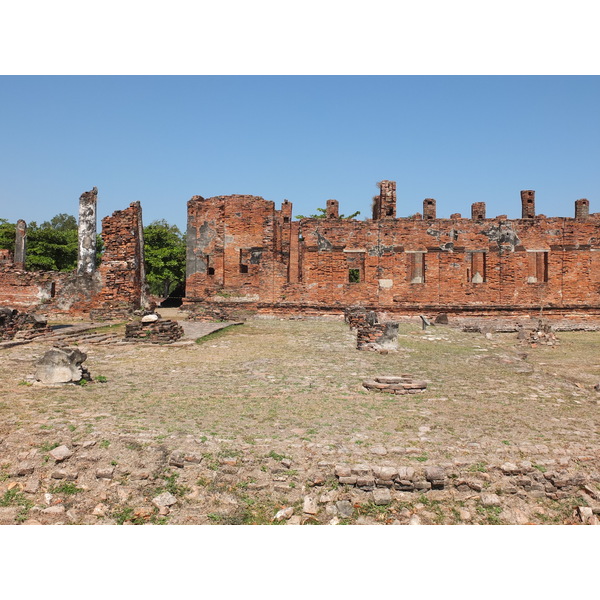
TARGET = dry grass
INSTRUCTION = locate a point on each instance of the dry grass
(269, 377)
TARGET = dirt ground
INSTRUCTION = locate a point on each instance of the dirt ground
(255, 423)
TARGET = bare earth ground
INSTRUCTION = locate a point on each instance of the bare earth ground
(255, 418)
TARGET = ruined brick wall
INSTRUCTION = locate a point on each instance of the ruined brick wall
(122, 270)
(237, 247)
(393, 264)
(22, 289)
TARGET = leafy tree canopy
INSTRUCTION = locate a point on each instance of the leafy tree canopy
(164, 251)
(7, 235)
(51, 246)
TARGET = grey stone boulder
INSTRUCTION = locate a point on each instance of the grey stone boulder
(61, 365)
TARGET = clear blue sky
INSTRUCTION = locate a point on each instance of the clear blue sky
(161, 140)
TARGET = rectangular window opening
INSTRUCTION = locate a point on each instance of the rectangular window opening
(477, 271)
(353, 275)
(417, 267)
(537, 267)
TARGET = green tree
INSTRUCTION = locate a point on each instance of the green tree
(7, 235)
(53, 245)
(322, 214)
(164, 251)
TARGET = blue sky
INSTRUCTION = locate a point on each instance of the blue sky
(163, 139)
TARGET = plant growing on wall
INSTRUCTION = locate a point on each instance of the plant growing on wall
(322, 214)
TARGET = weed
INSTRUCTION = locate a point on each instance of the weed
(67, 488)
(506, 442)
(172, 486)
(71, 427)
(126, 513)
(45, 427)
(16, 498)
(100, 379)
(210, 462)
(82, 382)
(25, 382)
(275, 456)
(114, 463)
(540, 468)
(478, 467)
(48, 446)
(422, 458)
(203, 439)
(104, 444)
(228, 453)
(491, 514)
(214, 517)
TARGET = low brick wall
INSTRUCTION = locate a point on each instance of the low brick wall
(157, 332)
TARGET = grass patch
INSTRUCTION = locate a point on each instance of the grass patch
(275, 456)
(49, 446)
(211, 337)
(170, 485)
(478, 467)
(490, 514)
(67, 488)
(16, 498)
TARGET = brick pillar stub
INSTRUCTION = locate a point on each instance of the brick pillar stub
(527, 204)
(582, 208)
(384, 205)
(333, 209)
(478, 211)
(86, 261)
(20, 244)
(429, 208)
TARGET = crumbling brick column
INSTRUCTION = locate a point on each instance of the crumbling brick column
(429, 208)
(333, 210)
(384, 205)
(20, 244)
(377, 336)
(122, 268)
(478, 211)
(582, 209)
(86, 262)
(527, 204)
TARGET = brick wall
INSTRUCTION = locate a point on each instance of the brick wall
(240, 249)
